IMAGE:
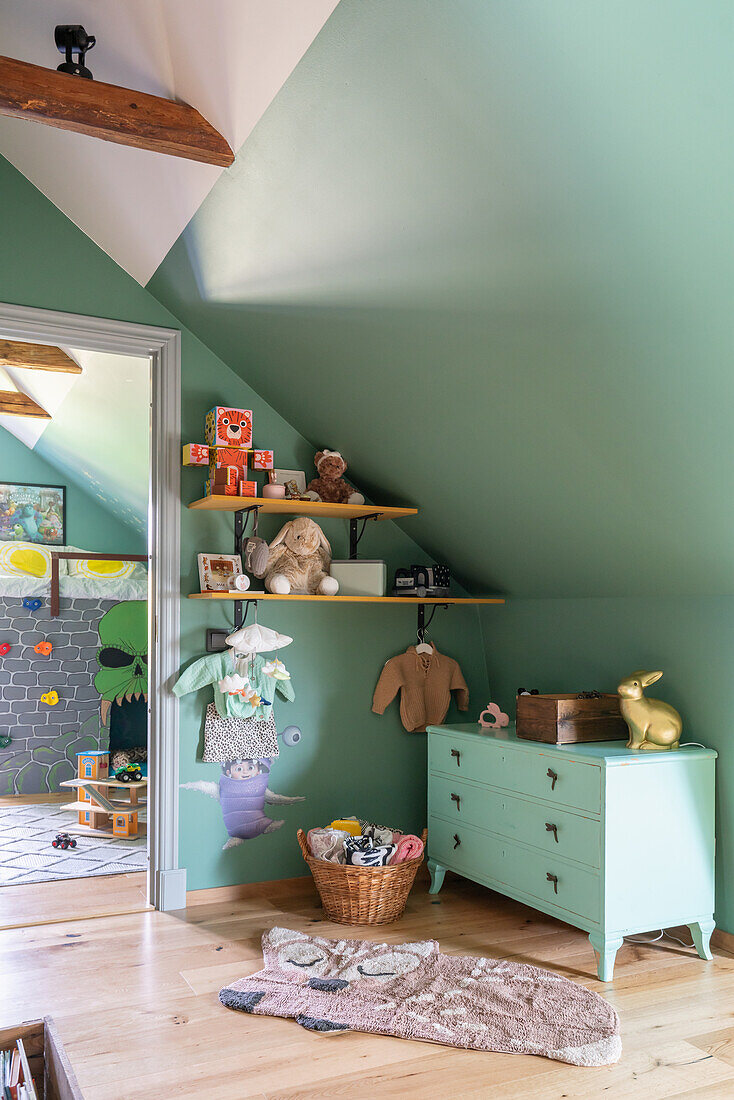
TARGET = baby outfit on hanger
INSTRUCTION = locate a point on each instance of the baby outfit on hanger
(239, 723)
(425, 682)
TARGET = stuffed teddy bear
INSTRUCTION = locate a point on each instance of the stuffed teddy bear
(330, 486)
(299, 560)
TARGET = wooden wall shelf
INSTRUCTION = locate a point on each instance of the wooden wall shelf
(300, 508)
(415, 601)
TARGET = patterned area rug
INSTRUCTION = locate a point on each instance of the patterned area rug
(26, 854)
(415, 991)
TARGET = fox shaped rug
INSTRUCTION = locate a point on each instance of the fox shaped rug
(413, 991)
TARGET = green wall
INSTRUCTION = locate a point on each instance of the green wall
(88, 524)
(350, 761)
(485, 249)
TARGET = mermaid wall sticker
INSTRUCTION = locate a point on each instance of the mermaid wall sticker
(239, 729)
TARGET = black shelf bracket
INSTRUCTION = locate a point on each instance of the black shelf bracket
(354, 538)
(241, 519)
(422, 624)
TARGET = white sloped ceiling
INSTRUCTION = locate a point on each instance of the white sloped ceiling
(228, 58)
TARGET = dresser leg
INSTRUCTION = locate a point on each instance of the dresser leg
(606, 948)
(701, 932)
(436, 872)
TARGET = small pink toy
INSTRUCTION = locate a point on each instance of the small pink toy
(500, 718)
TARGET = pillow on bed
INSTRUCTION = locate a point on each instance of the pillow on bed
(92, 569)
(26, 559)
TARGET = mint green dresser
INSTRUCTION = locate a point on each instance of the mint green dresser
(612, 841)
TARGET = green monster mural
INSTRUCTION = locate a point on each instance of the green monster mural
(122, 680)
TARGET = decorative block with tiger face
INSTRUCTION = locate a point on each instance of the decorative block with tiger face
(228, 427)
(414, 991)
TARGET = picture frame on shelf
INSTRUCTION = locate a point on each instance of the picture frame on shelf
(293, 481)
(33, 513)
(217, 571)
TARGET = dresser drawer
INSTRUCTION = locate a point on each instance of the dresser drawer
(576, 784)
(574, 837)
(465, 849)
(546, 776)
(473, 853)
(576, 890)
(482, 761)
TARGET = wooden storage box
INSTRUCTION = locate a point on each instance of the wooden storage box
(566, 719)
(49, 1065)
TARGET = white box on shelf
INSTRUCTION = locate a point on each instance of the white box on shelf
(360, 576)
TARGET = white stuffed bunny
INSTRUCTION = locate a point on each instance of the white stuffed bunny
(299, 560)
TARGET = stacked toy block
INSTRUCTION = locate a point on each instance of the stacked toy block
(228, 452)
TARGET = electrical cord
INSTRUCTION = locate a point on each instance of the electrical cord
(656, 939)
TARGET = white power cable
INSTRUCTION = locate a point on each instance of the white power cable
(656, 939)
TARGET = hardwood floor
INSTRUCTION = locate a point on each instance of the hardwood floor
(135, 1001)
(76, 899)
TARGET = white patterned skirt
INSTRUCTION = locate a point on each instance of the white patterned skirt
(238, 738)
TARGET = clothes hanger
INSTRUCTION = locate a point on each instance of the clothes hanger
(423, 646)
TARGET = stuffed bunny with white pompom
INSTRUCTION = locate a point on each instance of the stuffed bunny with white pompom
(299, 560)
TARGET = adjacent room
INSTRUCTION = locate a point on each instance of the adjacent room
(366, 603)
(74, 448)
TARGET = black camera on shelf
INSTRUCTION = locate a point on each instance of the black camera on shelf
(422, 581)
(71, 38)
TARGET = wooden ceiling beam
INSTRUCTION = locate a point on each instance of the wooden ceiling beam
(107, 111)
(37, 356)
(20, 404)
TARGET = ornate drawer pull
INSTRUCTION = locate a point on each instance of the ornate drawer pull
(553, 879)
(457, 754)
(457, 841)
(553, 778)
(552, 829)
(457, 799)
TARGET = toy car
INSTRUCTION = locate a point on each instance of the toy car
(131, 773)
(63, 840)
(422, 581)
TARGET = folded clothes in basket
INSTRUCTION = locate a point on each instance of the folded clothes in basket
(407, 847)
(361, 851)
(328, 844)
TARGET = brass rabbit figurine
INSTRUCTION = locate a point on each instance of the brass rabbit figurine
(653, 724)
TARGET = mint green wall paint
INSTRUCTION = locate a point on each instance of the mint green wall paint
(88, 524)
(350, 760)
(485, 248)
(585, 644)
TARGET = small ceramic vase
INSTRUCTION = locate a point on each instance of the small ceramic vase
(275, 492)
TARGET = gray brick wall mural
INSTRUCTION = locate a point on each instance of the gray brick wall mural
(46, 739)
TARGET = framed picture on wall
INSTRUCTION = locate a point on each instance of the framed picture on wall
(217, 571)
(33, 513)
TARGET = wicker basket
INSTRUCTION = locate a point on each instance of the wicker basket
(362, 895)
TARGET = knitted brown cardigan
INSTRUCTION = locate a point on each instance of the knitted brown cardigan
(426, 680)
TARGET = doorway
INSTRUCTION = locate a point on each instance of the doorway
(76, 800)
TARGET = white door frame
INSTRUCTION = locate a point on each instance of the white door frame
(167, 881)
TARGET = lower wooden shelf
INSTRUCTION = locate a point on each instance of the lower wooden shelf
(414, 600)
